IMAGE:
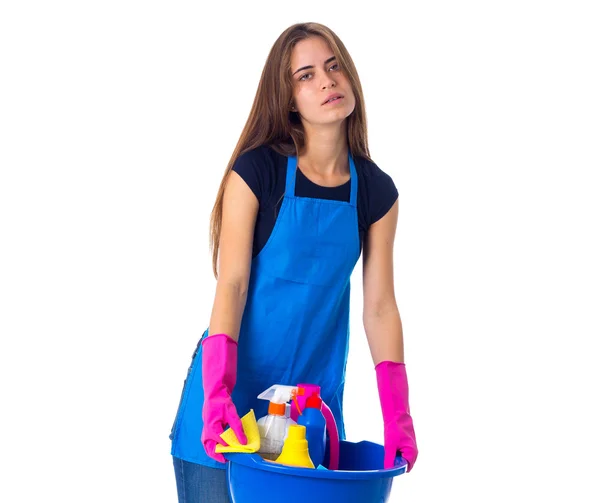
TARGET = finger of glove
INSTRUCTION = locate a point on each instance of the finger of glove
(218, 433)
(209, 447)
(213, 432)
(389, 457)
(236, 425)
(410, 454)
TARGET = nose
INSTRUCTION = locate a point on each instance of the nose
(329, 82)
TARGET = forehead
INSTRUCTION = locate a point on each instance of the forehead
(310, 51)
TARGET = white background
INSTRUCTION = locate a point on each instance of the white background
(117, 120)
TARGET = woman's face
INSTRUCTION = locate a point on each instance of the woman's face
(315, 76)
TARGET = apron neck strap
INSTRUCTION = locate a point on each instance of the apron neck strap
(290, 179)
(353, 181)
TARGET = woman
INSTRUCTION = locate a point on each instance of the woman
(299, 201)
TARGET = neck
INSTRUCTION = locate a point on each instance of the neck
(326, 150)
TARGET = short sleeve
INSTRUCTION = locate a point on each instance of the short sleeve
(382, 194)
(248, 166)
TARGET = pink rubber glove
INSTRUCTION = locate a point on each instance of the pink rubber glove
(219, 372)
(399, 433)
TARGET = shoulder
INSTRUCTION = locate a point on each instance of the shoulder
(371, 172)
(259, 156)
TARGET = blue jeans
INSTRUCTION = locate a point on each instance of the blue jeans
(200, 484)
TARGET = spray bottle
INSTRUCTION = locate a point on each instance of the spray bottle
(273, 427)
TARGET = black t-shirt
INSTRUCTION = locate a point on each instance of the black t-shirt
(264, 170)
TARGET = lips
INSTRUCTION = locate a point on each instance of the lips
(332, 96)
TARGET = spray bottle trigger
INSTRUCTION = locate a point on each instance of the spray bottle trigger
(295, 399)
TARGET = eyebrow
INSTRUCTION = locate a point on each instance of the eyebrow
(311, 66)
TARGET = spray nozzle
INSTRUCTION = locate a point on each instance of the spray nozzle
(281, 394)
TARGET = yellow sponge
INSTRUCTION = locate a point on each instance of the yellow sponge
(250, 429)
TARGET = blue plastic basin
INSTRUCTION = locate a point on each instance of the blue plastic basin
(360, 478)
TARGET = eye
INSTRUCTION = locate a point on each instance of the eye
(310, 73)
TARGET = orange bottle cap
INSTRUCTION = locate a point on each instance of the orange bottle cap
(277, 409)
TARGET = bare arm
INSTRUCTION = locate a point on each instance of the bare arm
(240, 207)
(381, 317)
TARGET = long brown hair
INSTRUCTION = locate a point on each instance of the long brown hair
(272, 123)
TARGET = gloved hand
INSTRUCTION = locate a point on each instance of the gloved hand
(399, 433)
(219, 372)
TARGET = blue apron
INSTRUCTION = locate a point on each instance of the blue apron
(295, 326)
